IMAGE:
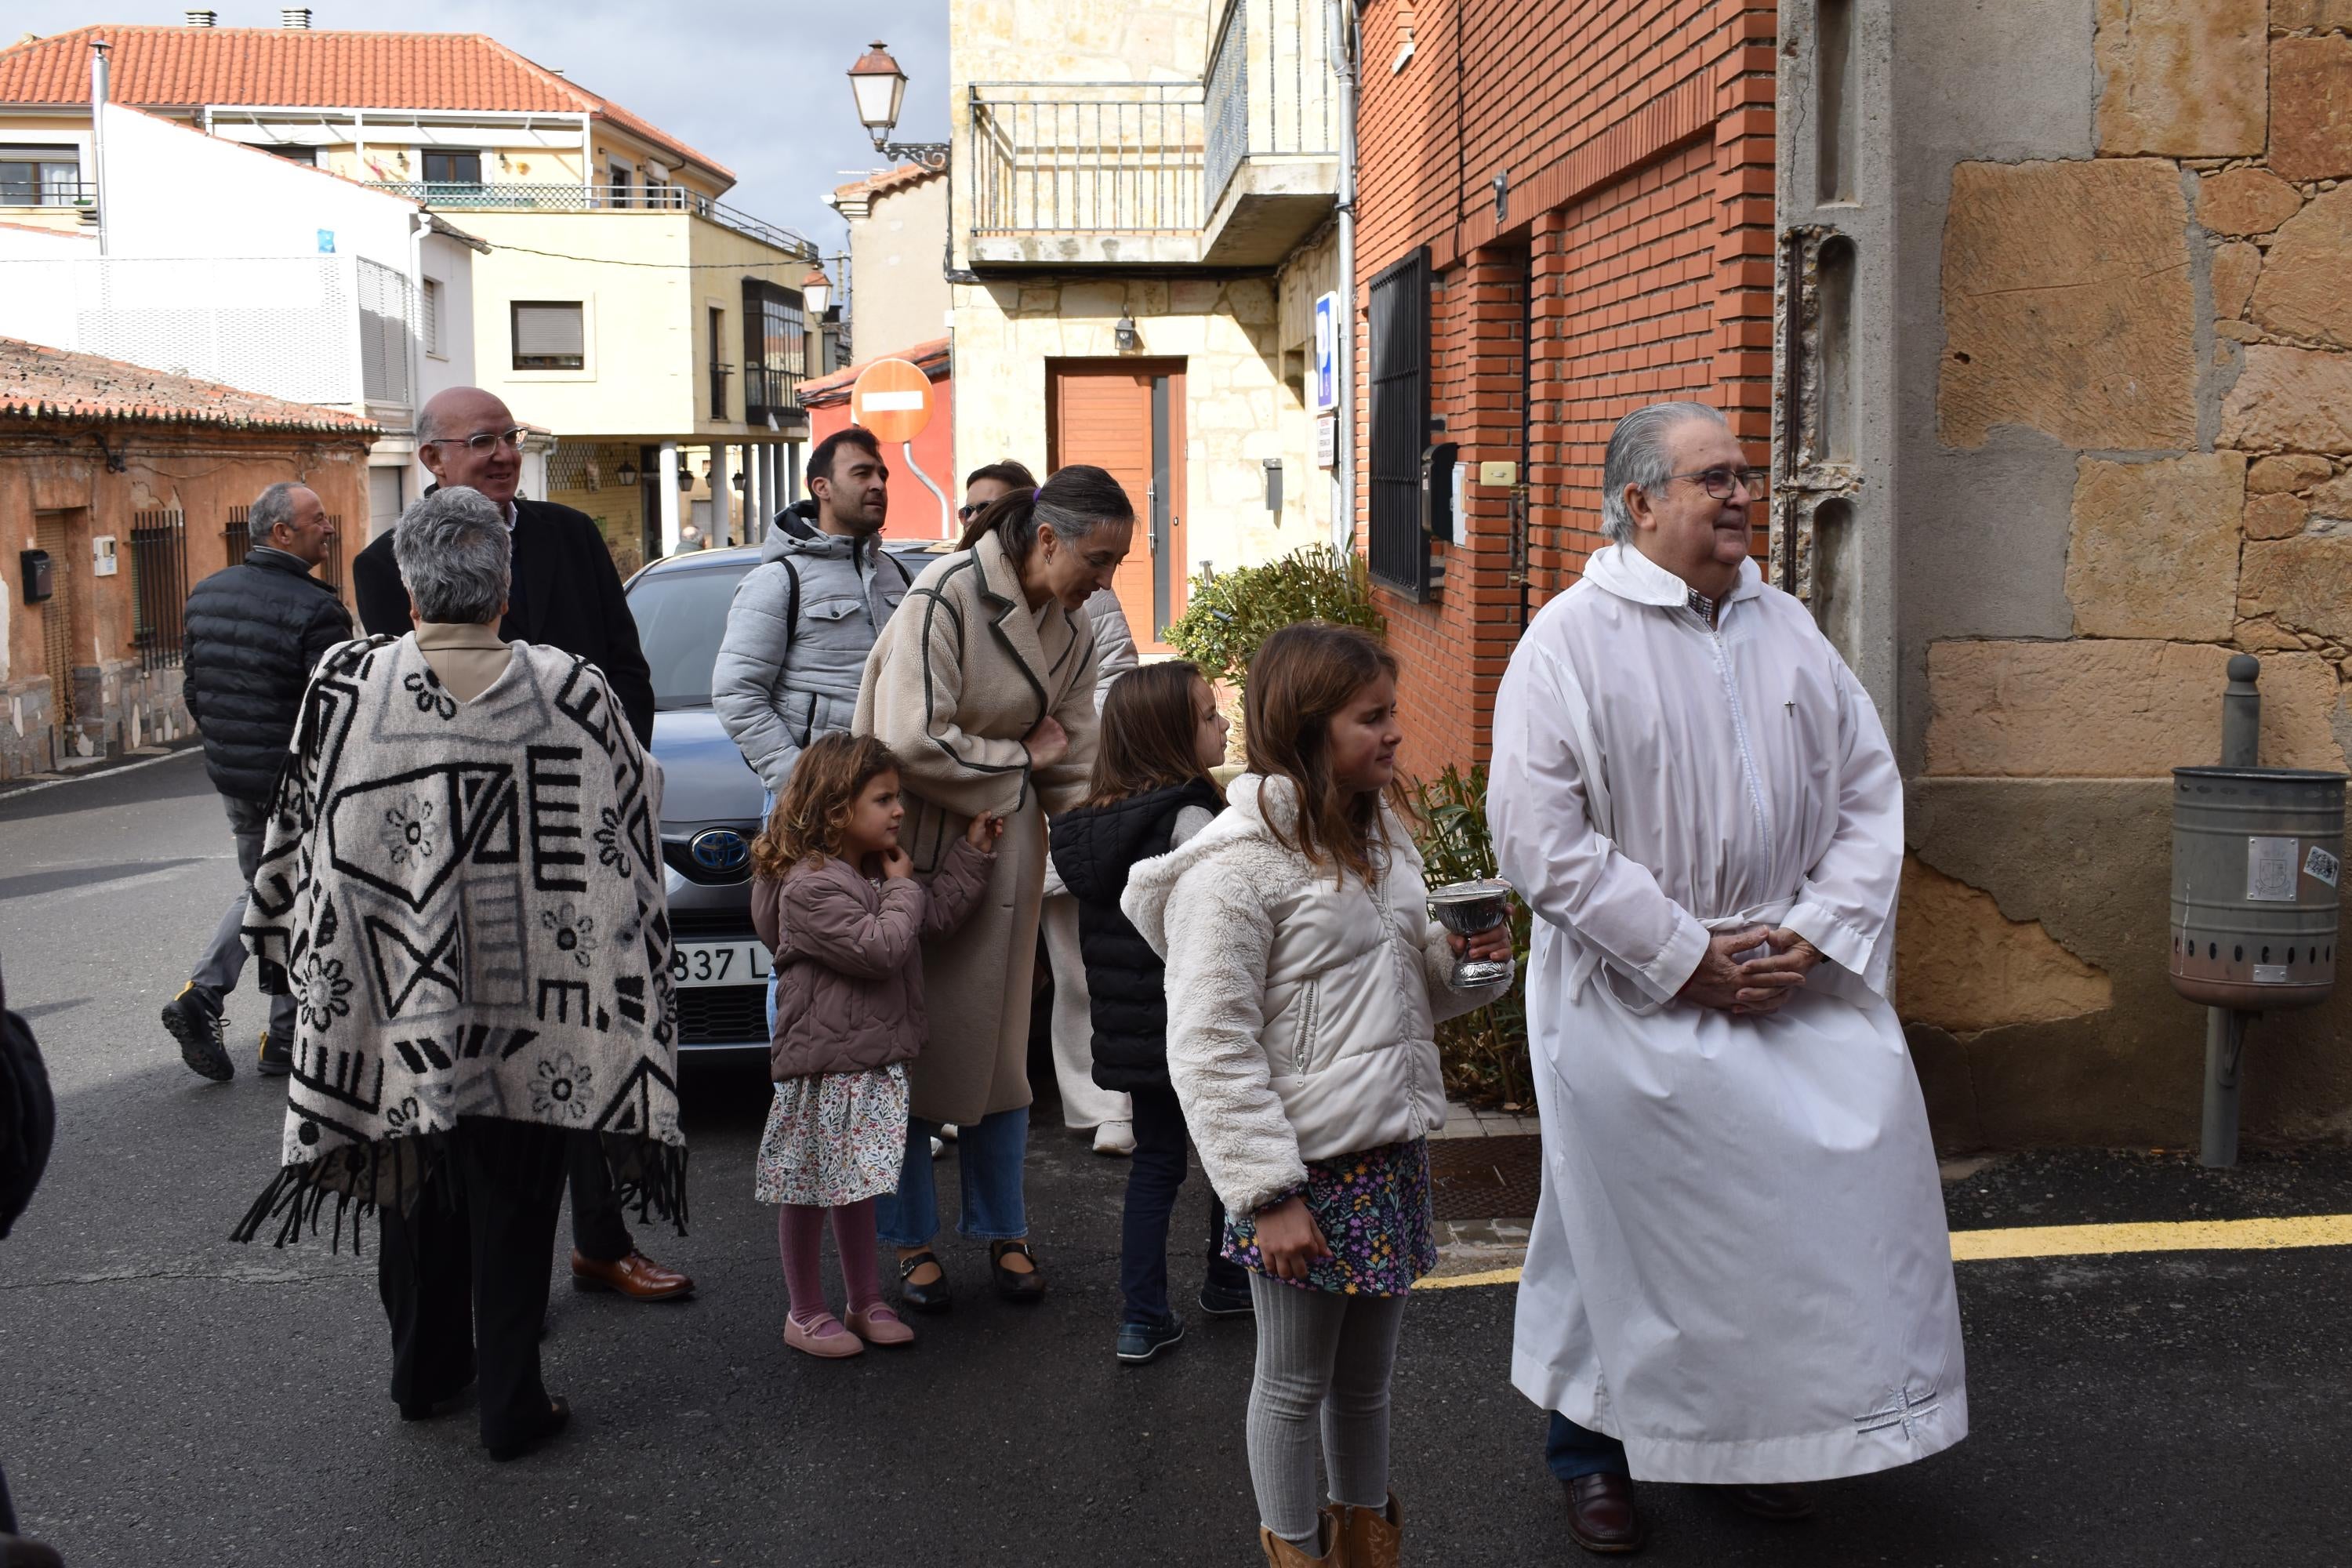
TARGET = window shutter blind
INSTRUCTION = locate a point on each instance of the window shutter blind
(432, 316)
(548, 330)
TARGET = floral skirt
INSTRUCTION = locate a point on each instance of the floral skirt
(833, 1138)
(1373, 1208)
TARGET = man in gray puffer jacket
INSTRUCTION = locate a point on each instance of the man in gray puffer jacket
(803, 620)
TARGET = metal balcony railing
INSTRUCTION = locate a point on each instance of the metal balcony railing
(1094, 157)
(1269, 87)
(566, 196)
(48, 193)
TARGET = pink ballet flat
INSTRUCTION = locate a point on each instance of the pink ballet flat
(816, 1342)
(878, 1325)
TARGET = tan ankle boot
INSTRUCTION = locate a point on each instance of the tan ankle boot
(1371, 1538)
(1281, 1553)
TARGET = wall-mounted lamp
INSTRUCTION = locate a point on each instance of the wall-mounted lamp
(736, 479)
(685, 479)
(1124, 331)
(816, 293)
(626, 473)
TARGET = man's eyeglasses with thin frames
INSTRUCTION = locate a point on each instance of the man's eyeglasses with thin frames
(482, 440)
(1717, 483)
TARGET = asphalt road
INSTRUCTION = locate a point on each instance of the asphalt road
(169, 1396)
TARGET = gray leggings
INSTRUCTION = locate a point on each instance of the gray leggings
(1320, 1356)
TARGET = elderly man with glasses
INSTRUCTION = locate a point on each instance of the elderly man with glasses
(1738, 1274)
(565, 593)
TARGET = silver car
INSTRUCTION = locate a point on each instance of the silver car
(711, 800)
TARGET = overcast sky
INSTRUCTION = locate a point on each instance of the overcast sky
(758, 85)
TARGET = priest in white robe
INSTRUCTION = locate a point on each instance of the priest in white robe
(1739, 1272)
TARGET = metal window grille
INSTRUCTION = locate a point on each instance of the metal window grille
(330, 569)
(1398, 353)
(159, 586)
(775, 349)
(236, 539)
(549, 335)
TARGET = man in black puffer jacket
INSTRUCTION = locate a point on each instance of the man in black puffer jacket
(1094, 848)
(255, 632)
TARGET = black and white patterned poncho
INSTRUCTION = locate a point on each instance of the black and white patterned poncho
(467, 900)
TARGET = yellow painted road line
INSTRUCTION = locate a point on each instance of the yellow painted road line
(2082, 1241)
(2173, 1236)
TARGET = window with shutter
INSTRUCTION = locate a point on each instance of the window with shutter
(432, 313)
(1398, 350)
(549, 335)
(453, 168)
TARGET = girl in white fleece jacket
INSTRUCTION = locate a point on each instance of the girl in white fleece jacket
(1304, 981)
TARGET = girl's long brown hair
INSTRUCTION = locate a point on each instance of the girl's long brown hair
(814, 811)
(1148, 725)
(1302, 676)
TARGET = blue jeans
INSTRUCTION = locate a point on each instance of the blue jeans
(989, 1155)
(1153, 1180)
(1573, 1451)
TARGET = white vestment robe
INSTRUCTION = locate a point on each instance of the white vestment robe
(1739, 1264)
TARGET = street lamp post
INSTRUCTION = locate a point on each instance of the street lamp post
(880, 87)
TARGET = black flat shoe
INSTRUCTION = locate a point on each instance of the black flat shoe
(1771, 1502)
(1011, 1284)
(934, 1297)
(558, 1416)
(427, 1409)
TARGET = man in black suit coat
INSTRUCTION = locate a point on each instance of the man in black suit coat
(566, 593)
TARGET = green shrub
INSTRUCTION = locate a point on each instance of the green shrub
(1229, 616)
(1485, 1053)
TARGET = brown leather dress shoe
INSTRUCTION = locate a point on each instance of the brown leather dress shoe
(1771, 1502)
(637, 1277)
(1602, 1517)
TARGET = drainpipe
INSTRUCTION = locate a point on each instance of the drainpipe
(98, 100)
(1347, 34)
(416, 318)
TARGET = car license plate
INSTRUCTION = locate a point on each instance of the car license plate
(719, 964)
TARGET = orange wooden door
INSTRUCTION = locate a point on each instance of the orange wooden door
(1127, 416)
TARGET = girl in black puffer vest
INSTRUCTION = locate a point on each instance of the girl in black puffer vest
(1161, 734)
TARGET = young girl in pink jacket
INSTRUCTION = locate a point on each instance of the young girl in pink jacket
(836, 901)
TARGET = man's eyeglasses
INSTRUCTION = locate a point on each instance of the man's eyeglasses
(1718, 482)
(482, 440)
(969, 513)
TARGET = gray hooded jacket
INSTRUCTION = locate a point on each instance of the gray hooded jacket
(783, 678)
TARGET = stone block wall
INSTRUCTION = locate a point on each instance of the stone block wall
(2110, 251)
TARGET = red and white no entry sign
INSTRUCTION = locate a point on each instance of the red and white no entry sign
(892, 398)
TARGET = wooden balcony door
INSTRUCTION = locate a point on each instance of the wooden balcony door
(1127, 416)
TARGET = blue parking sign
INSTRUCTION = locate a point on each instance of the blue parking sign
(1327, 353)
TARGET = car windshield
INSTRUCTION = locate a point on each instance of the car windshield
(681, 615)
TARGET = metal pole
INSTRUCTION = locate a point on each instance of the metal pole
(100, 91)
(2225, 1027)
(1343, 54)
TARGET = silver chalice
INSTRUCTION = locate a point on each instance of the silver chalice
(1465, 909)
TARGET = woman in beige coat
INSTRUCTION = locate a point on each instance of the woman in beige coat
(984, 685)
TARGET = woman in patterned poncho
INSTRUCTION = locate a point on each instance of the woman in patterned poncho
(462, 886)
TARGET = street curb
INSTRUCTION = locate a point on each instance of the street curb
(85, 777)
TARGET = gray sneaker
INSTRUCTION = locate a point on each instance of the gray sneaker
(193, 1019)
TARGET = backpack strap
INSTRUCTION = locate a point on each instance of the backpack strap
(791, 604)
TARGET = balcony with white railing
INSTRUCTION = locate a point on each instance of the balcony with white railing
(331, 330)
(1233, 168)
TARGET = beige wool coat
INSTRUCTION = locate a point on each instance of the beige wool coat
(958, 677)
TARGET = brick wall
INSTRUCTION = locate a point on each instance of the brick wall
(1631, 261)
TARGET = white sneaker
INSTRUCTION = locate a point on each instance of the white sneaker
(948, 1131)
(1116, 1139)
(938, 1148)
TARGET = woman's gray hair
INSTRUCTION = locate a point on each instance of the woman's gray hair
(1637, 455)
(454, 552)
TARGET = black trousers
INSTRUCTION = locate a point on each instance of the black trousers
(464, 1274)
(599, 1229)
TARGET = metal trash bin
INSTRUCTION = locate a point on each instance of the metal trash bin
(2256, 856)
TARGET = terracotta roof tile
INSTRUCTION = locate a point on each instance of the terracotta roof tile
(186, 67)
(46, 383)
(889, 180)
